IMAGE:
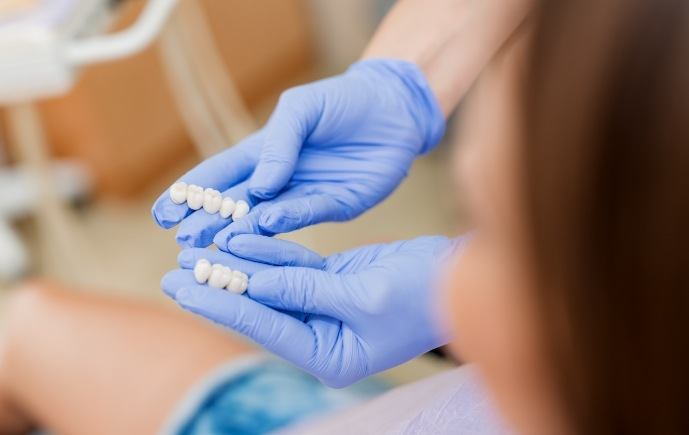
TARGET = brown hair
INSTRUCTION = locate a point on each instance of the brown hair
(606, 150)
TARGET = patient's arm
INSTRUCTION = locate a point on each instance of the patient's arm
(82, 364)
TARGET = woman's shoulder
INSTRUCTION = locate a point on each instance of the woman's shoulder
(453, 401)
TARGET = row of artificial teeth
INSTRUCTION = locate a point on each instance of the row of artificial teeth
(210, 199)
(219, 276)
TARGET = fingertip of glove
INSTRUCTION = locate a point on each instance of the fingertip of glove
(185, 258)
(259, 281)
(279, 220)
(159, 220)
(268, 219)
(166, 213)
(260, 186)
(223, 238)
(237, 245)
(269, 178)
(154, 215)
(222, 241)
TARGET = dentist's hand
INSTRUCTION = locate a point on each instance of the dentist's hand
(331, 150)
(340, 318)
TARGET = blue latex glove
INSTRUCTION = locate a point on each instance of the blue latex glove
(331, 150)
(340, 318)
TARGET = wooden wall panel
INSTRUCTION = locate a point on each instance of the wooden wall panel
(120, 120)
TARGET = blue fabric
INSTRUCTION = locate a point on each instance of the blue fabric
(266, 397)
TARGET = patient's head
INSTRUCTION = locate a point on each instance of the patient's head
(574, 296)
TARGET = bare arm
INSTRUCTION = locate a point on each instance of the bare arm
(80, 363)
(450, 40)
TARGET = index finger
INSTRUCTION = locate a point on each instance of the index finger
(219, 172)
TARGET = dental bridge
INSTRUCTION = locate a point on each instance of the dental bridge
(220, 277)
(43, 45)
(196, 197)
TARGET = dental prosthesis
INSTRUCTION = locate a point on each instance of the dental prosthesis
(221, 277)
(209, 199)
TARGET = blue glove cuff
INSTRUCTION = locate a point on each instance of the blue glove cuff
(423, 104)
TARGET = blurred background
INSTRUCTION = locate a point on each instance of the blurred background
(80, 168)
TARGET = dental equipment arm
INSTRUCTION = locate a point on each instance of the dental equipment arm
(124, 43)
(42, 48)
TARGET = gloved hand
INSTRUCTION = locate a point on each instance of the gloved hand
(331, 150)
(340, 318)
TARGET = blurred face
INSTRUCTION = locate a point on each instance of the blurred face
(492, 313)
